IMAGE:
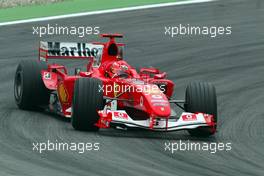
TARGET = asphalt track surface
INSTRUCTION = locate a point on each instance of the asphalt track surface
(234, 64)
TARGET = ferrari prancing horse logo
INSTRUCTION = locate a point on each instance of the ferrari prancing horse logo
(116, 89)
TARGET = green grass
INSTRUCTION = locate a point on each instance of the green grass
(69, 6)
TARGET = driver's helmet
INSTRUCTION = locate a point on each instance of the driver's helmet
(119, 69)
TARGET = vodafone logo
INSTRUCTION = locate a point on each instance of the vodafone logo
(189, 117)
(141, 101)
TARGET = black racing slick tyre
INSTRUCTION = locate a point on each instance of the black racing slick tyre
(29, 90)
(87, 100)
(201, 97)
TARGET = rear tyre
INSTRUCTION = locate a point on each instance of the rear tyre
(87, 100)
(201, 97)
(29, 90)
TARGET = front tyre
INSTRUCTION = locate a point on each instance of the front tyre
(201, 97)
(87, 100)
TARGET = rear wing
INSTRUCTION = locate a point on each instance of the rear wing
(66, 50)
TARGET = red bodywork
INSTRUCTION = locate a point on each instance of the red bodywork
(149, 89)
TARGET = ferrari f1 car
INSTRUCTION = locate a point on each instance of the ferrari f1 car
(110, 92)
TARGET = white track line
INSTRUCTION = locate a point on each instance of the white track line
(104, 11)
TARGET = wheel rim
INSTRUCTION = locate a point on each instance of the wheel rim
(18, 85)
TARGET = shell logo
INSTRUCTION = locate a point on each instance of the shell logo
(63, 93)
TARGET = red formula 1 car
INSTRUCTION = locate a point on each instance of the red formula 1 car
(111, 93)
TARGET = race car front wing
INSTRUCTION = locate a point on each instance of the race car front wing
(120, 118)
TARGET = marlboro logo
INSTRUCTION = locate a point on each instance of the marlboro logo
(73, 49)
